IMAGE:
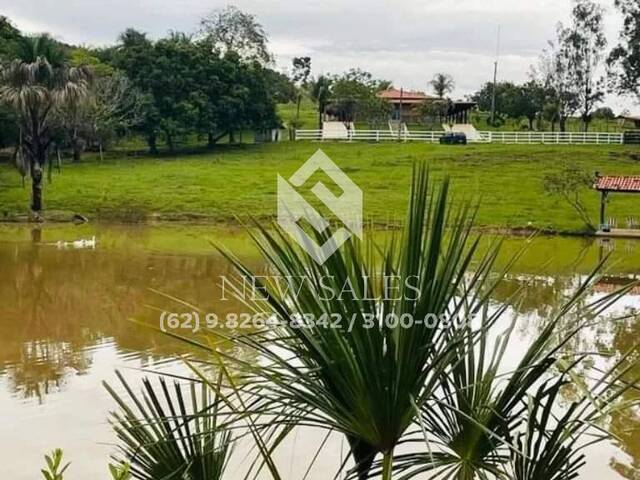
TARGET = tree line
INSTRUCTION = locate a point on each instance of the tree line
(570, 79)
(58, 98)
(220, 80)
(574, 72)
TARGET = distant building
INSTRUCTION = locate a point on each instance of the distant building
(634, 120)
(405, 103)
(406, 106)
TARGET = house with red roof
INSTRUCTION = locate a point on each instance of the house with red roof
(406, 106)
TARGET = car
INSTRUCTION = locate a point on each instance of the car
(453, 138)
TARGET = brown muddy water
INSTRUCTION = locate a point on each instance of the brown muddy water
(65, 327)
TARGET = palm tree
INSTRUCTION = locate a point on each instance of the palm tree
(442, 84)
(369, 378)
(36, 85)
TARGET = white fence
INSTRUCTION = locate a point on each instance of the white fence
(371, 135)
(573, 138)
(564, 138)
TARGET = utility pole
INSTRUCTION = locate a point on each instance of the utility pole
(400, 115)
(495, 80)
(320, 107)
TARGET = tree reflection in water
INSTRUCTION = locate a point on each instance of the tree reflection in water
(625, 424)
(61, 307)
(613, 334)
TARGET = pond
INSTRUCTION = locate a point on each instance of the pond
(65, 326)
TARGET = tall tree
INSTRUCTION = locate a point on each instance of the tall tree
(134, 55)
(36, 85)
(353, 95)
(526, 100)
(300, 76)
(442, 83)
(114, 106)
(193, 87)
(260, 108)
(235, 94)
(624, 59)
(282, 88)
(503, 94)
(515, 101)
(301, 70)
(76, 126)
(9, 37)
(232, 30)
(554, 72)
(174, 86)
(584, 44)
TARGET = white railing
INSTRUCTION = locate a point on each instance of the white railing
(371, 135)
(562, 138)
(571, 138)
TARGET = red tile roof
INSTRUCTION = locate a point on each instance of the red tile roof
(408, 96)
(618, 183)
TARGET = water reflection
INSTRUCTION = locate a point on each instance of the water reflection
(60, 305)
(64, 320)
(626, 424)
(612, 334)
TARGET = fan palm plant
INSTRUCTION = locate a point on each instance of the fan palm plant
(340, 357)
(475, 419)
(35, 85)
(547, 446)
(361, 372)
(171, 436)
(551, 444)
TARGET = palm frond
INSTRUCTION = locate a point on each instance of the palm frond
(164, 435)
(364, 376)
(477, 414)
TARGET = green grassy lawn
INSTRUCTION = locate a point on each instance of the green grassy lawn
(308, 113)
(240, 181)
